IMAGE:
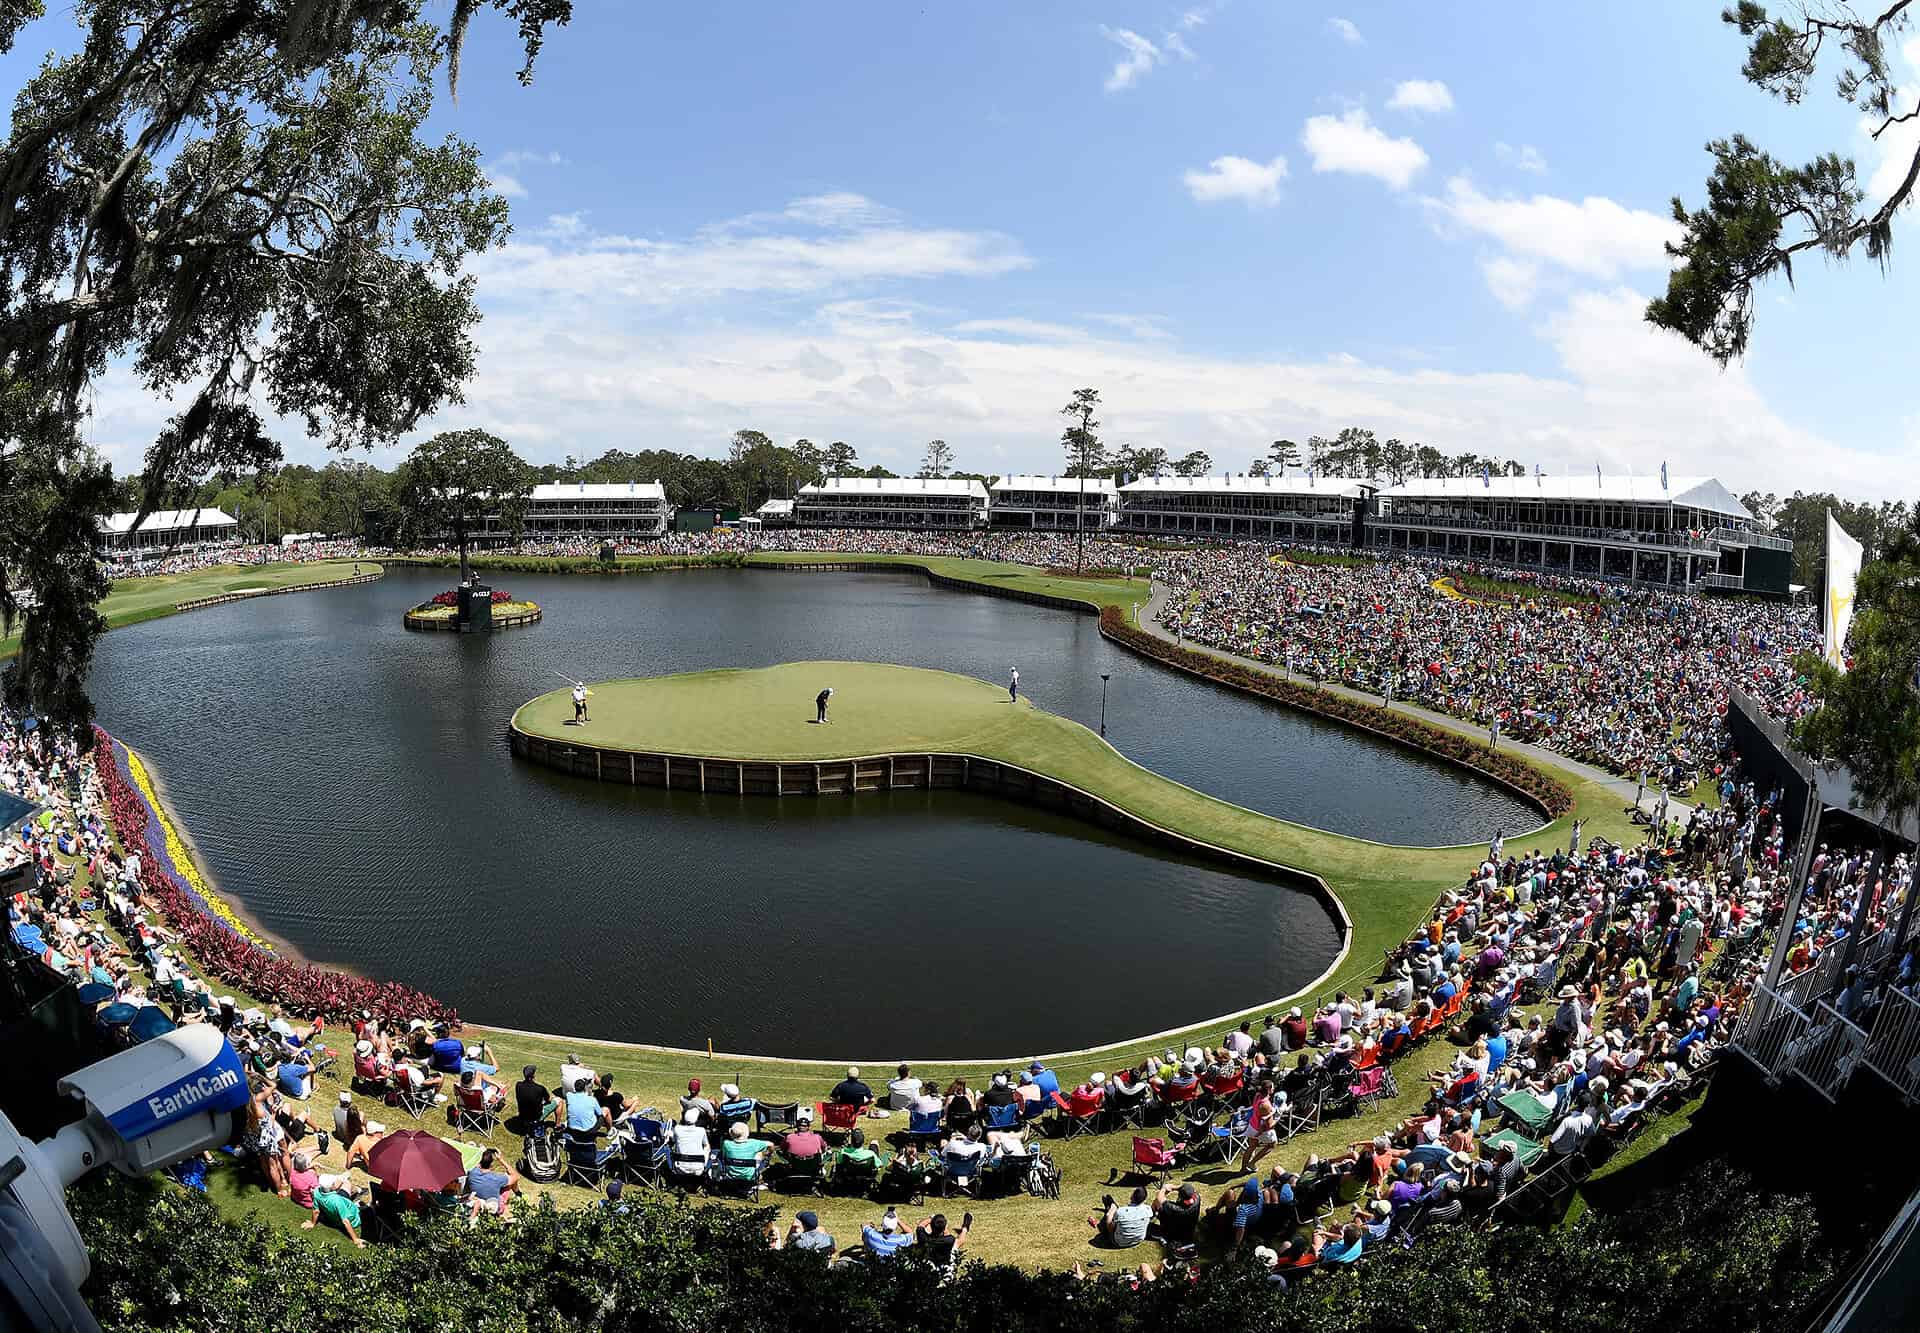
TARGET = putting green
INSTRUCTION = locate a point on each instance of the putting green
(768, 714)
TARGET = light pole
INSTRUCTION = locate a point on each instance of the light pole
(1105, 676)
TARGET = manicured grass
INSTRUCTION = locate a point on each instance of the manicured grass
(135, 600)
(1123, 593)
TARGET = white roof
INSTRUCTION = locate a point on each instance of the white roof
(170, 520)
(775, 508)
(600, 490)
(1348, 487)
(1692, 492)
(834, 487)
(1095, 485)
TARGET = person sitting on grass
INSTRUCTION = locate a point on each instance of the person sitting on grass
(938, 1244)
(1123, 1225)
(358, 1151)
(807, 1235)
(1340, 1247)
(1176, 1215)
(491, 1186)
(335, 1200)
(302, 1180)
(887, 1237)
(741, 1154)
(909, 1173)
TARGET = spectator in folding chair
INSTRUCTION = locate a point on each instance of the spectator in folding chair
(802, 1146)
(857, 1161)
(999, 1093)
(850, 1091)
(1044, 1080)
(741, 1155)
(691, 1148)
(1344, 1246)
(578, 1112)
(961, 1105)
(695, 1100)
(940, 1245)
(613, 1103)
(962, 1157)
(477, 1099)
(909, 1175)
(532, 1102)
(415, 1087)
(1243, 1206)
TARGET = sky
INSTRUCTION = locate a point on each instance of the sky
(1240, 220)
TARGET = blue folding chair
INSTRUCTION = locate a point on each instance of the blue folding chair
(586, 1159)
(1004, 1117)
(960, 1173)
(149, 1023)
(923, 1125)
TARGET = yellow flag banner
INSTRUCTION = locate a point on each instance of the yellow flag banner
(1843, 570)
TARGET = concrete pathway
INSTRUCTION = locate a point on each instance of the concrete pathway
(1650, 799)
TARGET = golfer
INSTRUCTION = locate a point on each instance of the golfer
(820, 702)
(1013, 685)
(580, 703)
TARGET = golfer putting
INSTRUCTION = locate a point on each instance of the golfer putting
(820, 702)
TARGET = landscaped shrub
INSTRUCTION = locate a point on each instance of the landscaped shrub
(1709, 1255)
(1548, 793)
(221, 949)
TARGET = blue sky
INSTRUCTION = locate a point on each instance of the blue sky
(1242, 220)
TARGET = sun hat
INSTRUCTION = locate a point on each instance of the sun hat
(1569, 993)
(375, 1127)
(1097, 1078)
(363, 1048)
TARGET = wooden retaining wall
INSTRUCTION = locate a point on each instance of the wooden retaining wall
(199, 602)
(890, 772)
(411, 621)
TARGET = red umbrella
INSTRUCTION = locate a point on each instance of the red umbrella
(413, 1159)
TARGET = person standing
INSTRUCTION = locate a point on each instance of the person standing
(580, 703)
(1013, 685)
(820, 702)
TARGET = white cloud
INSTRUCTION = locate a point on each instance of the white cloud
(502, 171)
(1526, 157)
(1231, 177)
(1141, 56)
(1352, 143)
(1177, 44)
(847, 241)
(1421, 95)
(506, 186)
(1512, 281)
(1894, 150)
(1595, 236)
(1015, 327)
(1346, 31)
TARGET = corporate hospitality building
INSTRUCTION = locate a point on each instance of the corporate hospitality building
(938, 504)
(1317, 509)
(1054, 504)
(1685, 532)
(598, 509)
(168, 530)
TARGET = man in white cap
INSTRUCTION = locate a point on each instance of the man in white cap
(1013, 685)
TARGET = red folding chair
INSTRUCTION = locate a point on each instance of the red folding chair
(1228, 1087)
(1153, 1159)
(1078, 1114)
(839, 1117)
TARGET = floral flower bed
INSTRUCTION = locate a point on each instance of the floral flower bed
(211, 931)
(451, 597)
(1551, 795)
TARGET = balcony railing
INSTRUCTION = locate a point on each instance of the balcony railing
(1733, 581)
(1746, 537)
(1551, 531)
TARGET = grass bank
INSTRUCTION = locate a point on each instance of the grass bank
(135, 600)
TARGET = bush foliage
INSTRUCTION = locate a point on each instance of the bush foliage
(1708, 1255)
(1548, 793)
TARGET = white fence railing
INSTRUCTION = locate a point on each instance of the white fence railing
(1893, 1051)
(1825, 1053)
(1771, 1024)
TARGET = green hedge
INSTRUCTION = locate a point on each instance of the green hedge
(1710, 1255)
(1550, 794)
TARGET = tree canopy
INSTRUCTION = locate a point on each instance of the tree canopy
(453, 482)
(234, 200)
(1761, 211)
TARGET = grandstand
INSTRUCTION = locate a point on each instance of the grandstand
(171, 529)
(1054, 504)
(1332, 510)
(939, 504)
(1686, 531)
(597, 509)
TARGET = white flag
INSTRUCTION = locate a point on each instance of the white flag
(1843, 568)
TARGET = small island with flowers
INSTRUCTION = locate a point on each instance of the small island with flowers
(443, 611)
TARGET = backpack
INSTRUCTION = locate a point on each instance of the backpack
(543, 1158)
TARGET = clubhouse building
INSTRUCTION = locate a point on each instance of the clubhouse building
(934, 504)
(168, 530)
(1054, 504)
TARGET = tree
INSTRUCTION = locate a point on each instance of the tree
(1397, 457)
(234, 199)
(838, 460)
(1429, 460)
(1259, 467)
(938, 459)
(1285, 455)
(1868, 717)
(1086, 455)
(1763, 506)
(1760, 211)
(1195, 464)
(453, 482)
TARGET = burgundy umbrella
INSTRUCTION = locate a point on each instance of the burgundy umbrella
(413, 1159)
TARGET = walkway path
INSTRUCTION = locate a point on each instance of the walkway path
(1149, 621)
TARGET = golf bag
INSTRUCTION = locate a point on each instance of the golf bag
(1043, 1177)
(543, 1155)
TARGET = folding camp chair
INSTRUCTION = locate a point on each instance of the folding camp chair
(960, 1172)
(1004, 1117)
(1226, 1089)
(766, 1113)
(853, 1177)
(645, 1151)
(1302, 1113)
(839, 1117)
(473, 1113)
(1154, 1158)
(415, 1101)
(1077, 1114)
(743, 1179)
(923, 1126)
(733, 1113)
(1226, 1142)
(1033, 1110)
(586, 1160)
(1129, 1102)
(803, 1175)
(1368, 1086)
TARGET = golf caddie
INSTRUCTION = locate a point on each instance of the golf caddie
(820, 702)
